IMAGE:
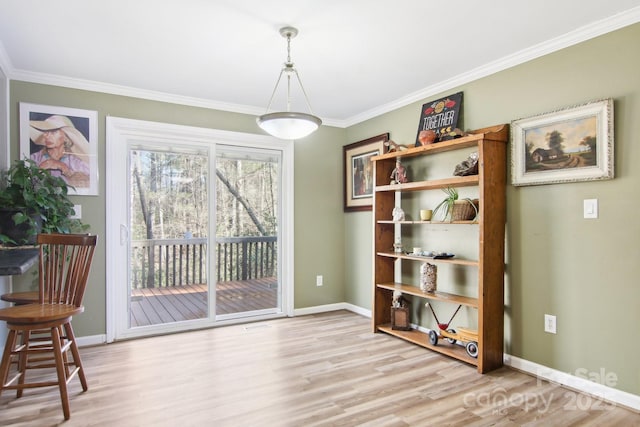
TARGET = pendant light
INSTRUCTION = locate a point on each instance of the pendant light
(289, 124)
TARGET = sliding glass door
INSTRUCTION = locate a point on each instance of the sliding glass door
(168, 245)
(197, 228)
(247, 215)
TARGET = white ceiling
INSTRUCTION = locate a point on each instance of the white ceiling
(357, 58)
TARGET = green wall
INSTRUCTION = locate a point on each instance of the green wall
(318, 224)
(583, 271)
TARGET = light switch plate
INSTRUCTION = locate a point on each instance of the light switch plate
(591, 208)
(78, 212)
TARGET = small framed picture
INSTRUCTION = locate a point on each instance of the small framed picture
(568, 145)
(358, 172)
(64, 141)
(400, 319)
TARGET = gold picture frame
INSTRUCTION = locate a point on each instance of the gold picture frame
(358, 172)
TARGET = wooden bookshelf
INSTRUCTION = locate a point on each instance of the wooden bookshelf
(489, 303)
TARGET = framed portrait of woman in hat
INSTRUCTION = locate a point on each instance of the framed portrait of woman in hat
(64, 141)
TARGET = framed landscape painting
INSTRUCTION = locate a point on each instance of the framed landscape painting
(358, 172)
(569, 145)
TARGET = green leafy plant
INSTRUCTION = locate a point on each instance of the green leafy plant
(446, 205)
(38, 202)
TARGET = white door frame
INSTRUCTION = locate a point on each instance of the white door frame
(120, 134)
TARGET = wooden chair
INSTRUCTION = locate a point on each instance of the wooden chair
(65, 261)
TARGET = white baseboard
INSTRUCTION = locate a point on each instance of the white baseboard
(332, 307)
(91, 340)
(580, 382)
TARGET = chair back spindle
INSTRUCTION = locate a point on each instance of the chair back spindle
(65, 261)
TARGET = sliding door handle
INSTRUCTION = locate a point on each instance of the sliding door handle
(124, 234)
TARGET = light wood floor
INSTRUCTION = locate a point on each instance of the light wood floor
(317, 370)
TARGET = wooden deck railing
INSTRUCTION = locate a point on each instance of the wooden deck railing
(179, 262)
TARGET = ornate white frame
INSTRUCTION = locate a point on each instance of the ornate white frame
(569, 121)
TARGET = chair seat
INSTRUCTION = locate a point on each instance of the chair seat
(20, 298)
(32, 314)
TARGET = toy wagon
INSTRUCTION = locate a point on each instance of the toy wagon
(467, 336)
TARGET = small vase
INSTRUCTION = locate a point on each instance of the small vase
(428, 277)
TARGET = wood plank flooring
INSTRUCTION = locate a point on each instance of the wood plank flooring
(318, 370)
(152, 306)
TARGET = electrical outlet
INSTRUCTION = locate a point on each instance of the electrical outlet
(318, 280)
(550, 323)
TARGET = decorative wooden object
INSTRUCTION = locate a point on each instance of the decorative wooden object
(490, 182)
(400, 320)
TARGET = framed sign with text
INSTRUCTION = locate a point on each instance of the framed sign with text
(440, 116)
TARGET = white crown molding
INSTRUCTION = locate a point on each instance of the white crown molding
(579, 35)
(94, 86)
(74, 83)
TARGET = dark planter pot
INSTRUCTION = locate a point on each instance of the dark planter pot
(22, 234)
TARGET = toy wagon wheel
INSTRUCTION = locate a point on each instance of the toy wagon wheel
(433, 337)
(451, 340)
(472, 349)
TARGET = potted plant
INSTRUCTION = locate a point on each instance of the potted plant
(456, 209)
(34, 201)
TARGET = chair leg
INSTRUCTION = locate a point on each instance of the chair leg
(65, 356)
(23, 360)
(6, 358)
(76, 355)
(60, 369)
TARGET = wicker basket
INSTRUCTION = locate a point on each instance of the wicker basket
(463, 210)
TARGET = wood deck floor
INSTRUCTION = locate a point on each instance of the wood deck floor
(174, 304)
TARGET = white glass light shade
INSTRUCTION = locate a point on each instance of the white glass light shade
(289, 125)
